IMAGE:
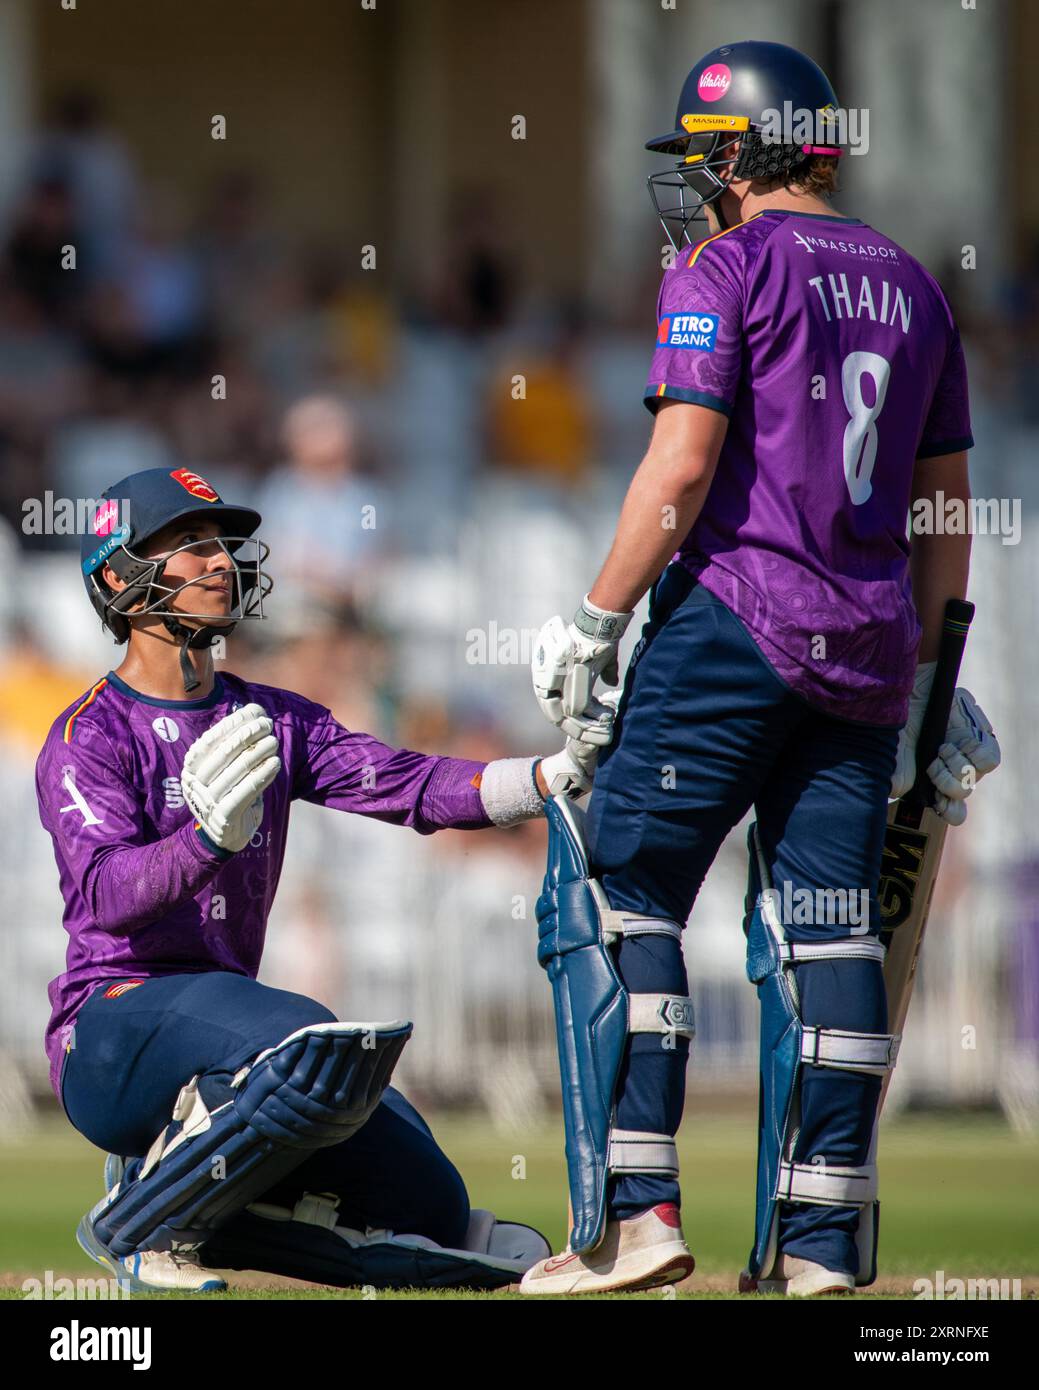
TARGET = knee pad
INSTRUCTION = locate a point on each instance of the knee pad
(315, 1088)
(305, 1242)
(787, 1045)
(594, 1016)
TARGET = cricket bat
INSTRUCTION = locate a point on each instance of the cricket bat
(915, 836)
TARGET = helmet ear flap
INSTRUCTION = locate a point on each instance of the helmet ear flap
(101, 597)
(138, 576)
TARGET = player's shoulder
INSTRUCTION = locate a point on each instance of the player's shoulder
(734, 247)
(904, 264)
(723, 260)
(84, 719)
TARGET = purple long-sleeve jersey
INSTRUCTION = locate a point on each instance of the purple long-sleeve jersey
(835, 356)
(145, 894)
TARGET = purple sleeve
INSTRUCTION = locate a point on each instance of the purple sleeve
(699, 351)
(947, 430)
(355, 772)
(96, 820)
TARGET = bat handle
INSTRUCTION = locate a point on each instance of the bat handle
(955, 625)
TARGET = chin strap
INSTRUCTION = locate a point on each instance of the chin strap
(196, 638)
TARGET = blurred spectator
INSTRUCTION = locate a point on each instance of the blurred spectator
(477, 287)
(238, 250)
(43, 226)
(40, 364)
(79, 150)
(547, 430)
(163, 284)
(326, 523)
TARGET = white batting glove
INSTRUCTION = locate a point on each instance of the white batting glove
(226, 772)
(905, 761)
(969, 752)
(570, 772)
(567, 662)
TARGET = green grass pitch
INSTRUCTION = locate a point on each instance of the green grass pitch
(957, 1194)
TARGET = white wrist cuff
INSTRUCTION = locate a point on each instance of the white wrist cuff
(508, 791)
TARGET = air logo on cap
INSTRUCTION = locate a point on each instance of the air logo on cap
(198, 487)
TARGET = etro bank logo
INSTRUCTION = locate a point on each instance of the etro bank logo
(698, 332)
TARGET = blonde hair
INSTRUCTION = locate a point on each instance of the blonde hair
(818, 177)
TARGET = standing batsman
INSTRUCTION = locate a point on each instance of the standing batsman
(808, 385)
(248, 1127)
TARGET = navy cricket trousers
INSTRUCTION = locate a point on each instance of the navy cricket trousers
(706, 730)
(133, 1053)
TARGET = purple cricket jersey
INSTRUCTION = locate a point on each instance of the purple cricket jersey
(144, 894)
(835, 356)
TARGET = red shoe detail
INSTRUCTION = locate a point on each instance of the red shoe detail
(669, 1214)
(557, 1262)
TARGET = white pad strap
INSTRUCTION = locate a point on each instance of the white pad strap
(191, 1110)
(616, 922)
(827, 1185)
(633, 1151)
(848, 948)
(661, 1013)
(872, 1053)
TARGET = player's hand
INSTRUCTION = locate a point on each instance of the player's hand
(570, 772)
(226, 772)
(567, 662)
(969, 752)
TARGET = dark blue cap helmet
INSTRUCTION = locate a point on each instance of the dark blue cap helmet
(128, 515)
(745, 91)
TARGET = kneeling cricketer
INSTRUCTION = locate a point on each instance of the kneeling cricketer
(246, 1127)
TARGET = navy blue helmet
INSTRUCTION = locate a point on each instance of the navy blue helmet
(128, 515)
(746, 92)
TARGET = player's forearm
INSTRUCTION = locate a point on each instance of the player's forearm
(663, 502)
(130, 887)
(939, 563)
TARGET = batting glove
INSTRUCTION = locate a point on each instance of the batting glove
(568, 661)
(969, 752)
(570, 772)
(225, 774)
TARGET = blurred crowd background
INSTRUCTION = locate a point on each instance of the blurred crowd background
(413, 330)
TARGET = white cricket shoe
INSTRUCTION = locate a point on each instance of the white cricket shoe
(145, 1271)
(642, 1252)
(798, 1278)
